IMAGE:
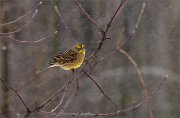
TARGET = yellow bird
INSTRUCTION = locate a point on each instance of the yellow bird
(71, 59)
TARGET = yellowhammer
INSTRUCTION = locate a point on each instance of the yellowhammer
(71, 59)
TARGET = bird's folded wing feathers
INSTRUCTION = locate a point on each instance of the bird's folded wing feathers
(67, 56)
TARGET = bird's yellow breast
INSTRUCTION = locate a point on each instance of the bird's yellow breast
(74, 64)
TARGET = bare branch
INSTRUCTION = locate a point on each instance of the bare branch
(140, 78)
(17, 93)
(12, 32)
(104, 33)
(23, 16)
(136, 25)
(68, 102)
(62, 109)
(130, 37)
(23, 26)
(80, 114)
(62, 99)
(88, 16)
(54, 95)
(64, 23)
(149, 97)
(103, 91)
(37, 41)
(119, 9)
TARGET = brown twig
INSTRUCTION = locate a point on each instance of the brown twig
(51, 98)
(119, 9)
(136, 26)
(67, 103)
(103, 92)
(129, 38)
(64, 23)
(88, 16)
(17, 93)
(54, 95)
(37, 41)
(104, 33)
(100, 89)
(61, 101)
(20, 28)
(61, 109)
(12, 32)
(140, 78)
(80, 114)
(21, 17)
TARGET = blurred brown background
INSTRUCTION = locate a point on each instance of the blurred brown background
(155, 48)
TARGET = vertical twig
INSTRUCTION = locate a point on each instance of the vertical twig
(140, 78)
(104, 33)
(61, 101)
(119, 9)
(136, 25)
(134, 63)
(64, 23)
(67, 103)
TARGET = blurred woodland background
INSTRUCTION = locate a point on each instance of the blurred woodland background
(141, 47)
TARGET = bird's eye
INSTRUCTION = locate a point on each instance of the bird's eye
(82, 46)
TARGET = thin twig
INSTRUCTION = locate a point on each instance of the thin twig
(12, 32)
(68, 102)
(64, 23)
(104, 33)
(21, 17)
(149, 97)
(61, 109)
(61, 101)
(51, 98)
(103, 91)
(136, 25)
(134, 63)
(37, 41)
(88, 16)
(130, 37)
(119, 9)
(140, 78)
(106, 57)
(20, 28)
(54, 95)
(80, 114)
(17, 93)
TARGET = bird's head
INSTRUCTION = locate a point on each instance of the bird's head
(80, 48)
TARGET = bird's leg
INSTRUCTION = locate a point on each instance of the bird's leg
(73, 71)
(77, 83)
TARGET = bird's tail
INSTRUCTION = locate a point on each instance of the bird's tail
(55, 59)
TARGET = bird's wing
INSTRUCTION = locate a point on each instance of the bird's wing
(67, 56)
(70, 55)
